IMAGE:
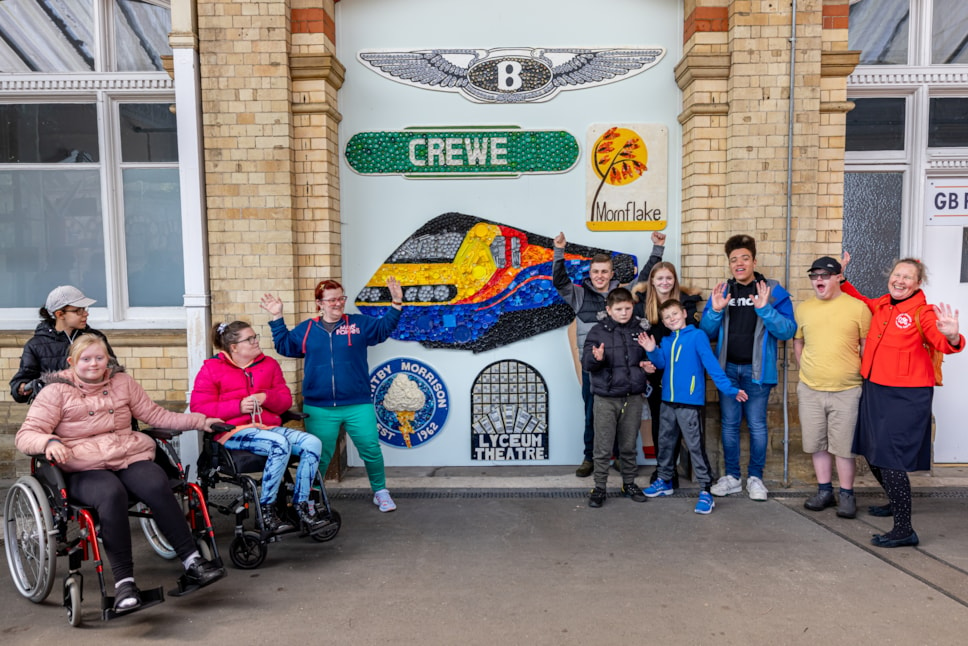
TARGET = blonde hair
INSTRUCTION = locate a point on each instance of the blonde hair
(82, 342)
(651, 298)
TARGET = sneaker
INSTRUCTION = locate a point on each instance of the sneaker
(820, 500)
(847, 507)
(596, 498)
(631, 490)
(705, 503)
(659, 488)
(585, 469)
(727, 485)
(383, 500)
(202, 573)
(756, 489)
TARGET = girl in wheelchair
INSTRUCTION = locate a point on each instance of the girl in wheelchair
(247, 389)
(81, 420)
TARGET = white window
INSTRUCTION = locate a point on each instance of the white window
(89, 190)
(910, 124)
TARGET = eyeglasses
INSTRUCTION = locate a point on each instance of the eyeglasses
(252, 340)
(819, 276)
(341, 299)
(76, 310)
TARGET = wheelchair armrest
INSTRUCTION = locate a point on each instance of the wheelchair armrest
(222, 427)
(293, 416)
(161, 433)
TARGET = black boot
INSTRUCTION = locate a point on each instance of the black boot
(271, 521)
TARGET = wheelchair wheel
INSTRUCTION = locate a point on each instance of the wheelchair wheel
(155, 538)
(28, 533)
(247, 551)
(72, 600)
(330, 531)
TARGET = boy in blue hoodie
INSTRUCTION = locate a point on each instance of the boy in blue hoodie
(683, 354)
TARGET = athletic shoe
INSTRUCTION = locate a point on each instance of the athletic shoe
(383, 500)
(705, 503)
(631, 490)
(596, 498)
(820, 500)
(659, 488)
(727, 485)
(756, 489)
(585, 469)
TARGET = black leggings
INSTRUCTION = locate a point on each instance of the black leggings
(108, 493)
(897, 485)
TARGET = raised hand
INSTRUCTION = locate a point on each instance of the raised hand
(560, 240)
(947, 322)
(762, 296)
(598, 351)
(271, 304)
(844, 261)
(718, 298)
(647, 342)
(396, 291)
(658, 238)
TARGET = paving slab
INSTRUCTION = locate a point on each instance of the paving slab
(482, 564)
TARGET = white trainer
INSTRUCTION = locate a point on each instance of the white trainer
(383, 500)
(756, 489)
(727, 485)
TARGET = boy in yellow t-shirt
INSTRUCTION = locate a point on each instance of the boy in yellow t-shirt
(829, 342)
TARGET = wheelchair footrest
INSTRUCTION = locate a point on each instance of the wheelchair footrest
(149, 598)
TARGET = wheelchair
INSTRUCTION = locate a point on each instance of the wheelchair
(41, 522)
(241, 469)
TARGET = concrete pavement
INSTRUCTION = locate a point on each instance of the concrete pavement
(512, 556)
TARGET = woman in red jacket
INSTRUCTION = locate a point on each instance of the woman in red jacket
(894, 420)
(246, 388)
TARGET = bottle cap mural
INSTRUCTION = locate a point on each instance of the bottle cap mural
(411, 402)
(510, 74)
(509, 413)
(473, 284)
(436, 153)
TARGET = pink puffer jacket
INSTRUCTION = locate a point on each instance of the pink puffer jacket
(94, 421)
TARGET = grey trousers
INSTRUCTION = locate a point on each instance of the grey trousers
(621, 416)
(674, 418)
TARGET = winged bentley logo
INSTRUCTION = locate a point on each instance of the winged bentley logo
(510, 74)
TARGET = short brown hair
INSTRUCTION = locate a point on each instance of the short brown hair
(741, 241)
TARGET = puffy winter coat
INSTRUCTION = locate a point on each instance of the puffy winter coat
(894, 354)
(94, 421)
(618, 373)
(46, 351)
(221, 385)
(686, 356)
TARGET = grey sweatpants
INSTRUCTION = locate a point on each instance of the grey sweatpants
(680, 417)
(622, 416)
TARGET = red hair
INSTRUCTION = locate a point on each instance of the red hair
(327, 284)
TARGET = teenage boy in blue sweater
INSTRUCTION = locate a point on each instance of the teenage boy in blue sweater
(683, 354)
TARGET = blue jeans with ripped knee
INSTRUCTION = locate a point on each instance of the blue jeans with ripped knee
(277, 444)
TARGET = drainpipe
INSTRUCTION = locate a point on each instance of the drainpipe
(789, 221)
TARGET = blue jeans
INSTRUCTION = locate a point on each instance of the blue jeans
(277, 444)
(733, 411)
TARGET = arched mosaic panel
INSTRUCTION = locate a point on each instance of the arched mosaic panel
(509, 413)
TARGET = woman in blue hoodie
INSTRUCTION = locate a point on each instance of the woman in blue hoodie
(336, 385)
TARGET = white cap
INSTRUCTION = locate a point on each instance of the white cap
(64, 295)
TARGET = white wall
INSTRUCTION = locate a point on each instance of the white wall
(379, 213)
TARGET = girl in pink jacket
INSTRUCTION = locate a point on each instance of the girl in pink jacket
(246, 388)
(81, 420)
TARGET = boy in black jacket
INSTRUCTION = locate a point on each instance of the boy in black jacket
(617, 363)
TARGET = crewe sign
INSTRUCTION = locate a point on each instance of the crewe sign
(504, 151)
(510, 74)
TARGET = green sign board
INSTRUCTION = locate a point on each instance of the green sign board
(462, 152)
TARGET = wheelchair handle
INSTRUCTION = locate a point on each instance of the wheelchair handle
(161, 433)
(222, 427)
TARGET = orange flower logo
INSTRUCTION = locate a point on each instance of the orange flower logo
(620, 157)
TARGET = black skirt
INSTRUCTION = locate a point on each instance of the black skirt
(894, 426)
